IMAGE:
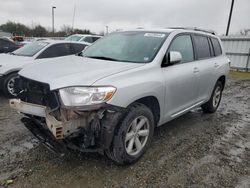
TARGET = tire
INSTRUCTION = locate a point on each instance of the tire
(138, 126)
(9, 88)
(214, 101)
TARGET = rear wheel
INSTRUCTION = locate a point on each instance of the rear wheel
(214, 101)
(133, 136)
(9, 87)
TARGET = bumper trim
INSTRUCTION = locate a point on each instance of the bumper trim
(28, 108)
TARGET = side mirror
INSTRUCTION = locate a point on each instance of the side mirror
(173, 57)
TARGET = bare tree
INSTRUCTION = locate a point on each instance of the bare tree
(245, 32)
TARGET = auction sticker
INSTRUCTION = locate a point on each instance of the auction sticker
(157, 35)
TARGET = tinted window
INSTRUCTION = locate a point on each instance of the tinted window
(5, 42)
(88, 39)
(76, 48)
(95, 38)
(183, 44)
(202, 46)
(56, 50)
(217, 47)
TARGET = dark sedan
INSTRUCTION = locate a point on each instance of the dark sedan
(7, 45)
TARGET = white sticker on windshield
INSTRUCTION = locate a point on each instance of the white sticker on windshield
(158, 35)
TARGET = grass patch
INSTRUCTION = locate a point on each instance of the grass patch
(240, 75)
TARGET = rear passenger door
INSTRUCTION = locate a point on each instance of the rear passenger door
(205, 66)
(181, 78)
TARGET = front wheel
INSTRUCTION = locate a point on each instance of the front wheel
(133, 135)
(9, 85)
(214, 101)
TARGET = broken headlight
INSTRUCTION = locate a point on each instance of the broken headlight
(80, 96)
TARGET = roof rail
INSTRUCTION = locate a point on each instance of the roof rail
(195, 29)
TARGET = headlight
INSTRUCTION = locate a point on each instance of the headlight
(80, 96)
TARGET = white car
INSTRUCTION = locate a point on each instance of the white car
(83, 38)
(13, 62)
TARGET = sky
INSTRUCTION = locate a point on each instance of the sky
(128, 14)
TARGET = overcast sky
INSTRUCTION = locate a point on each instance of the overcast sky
(126, 14)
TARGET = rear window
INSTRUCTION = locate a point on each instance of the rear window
(31, 49)
(202, 46)
(216, 46)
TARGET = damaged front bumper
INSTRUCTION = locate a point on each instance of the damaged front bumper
(70, 128)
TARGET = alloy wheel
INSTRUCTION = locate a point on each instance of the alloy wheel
(137, 135)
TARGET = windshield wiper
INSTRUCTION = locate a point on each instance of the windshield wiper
(103, 57)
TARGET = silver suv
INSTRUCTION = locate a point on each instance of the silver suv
(111, 98)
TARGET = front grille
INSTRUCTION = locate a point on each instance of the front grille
(37, 93)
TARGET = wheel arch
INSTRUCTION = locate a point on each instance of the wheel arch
(153, 104)
(222, 79)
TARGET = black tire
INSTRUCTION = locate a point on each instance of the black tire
(6, 82)
(118, 152)
(210, 107)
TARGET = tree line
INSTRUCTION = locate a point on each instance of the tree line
(18, 29)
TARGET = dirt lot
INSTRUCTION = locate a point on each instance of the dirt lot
(196, 150)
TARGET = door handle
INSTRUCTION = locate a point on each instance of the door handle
(196, 70)
(6, 47)
(216, 65)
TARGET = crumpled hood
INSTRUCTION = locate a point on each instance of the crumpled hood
(13, 62)
(73, 71)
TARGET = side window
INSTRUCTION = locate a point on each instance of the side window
(88, 39)
(202, 46)
(217, 47)
(76, 48)
(183, 44)
(95, 38)
(56, 50)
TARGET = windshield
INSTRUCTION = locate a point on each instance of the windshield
(133, 46)
(73, 38)
(30, 49)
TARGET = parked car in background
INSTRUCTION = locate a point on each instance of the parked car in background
(83, 38)
(33, 40)
(18, 38)
(111, 99)
(6, 45)
(13, 62)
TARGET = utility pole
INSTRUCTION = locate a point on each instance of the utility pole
(230, 16)
(53, 20)
(107, 30)
(74, 14)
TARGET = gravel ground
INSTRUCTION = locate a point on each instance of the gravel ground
(195, 150)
